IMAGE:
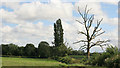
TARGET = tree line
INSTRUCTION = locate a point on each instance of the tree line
(42, 51)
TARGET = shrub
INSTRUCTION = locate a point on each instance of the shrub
(83, 60)
(112, 50)
(66, 59)
(108, 58)
(75, 60)
(100, 60)
(113, 62)
(61, 50)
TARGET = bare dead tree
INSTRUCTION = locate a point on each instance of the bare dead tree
(88, 22)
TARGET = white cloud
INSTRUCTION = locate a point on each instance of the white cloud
(6, 29)
(37, 11)
(10, 17)
(51, 11)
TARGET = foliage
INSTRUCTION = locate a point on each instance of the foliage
(44, 50)
(10, 49)
(58, 33)
(61, 50)
(113, 62)
(112, 50)
(21, 51)
(77, 52)
(13, 49)
(4, 49)
(66, 59)
(30, 50)
(100, 59)
(109, 58)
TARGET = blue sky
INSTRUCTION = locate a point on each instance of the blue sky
(39, 20)
(110, 10)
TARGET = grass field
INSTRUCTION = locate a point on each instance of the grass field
(8, 61)
(12, 61)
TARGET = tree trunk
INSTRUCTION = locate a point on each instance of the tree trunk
(88, 50)
(88, 53)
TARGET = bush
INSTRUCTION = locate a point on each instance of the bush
(100, 59)
(112, 50)
(83, 60)
(113, 62)
(66, 59)
(108, 58)
(61, 50)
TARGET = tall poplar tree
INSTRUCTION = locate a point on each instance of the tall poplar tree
(58, 33)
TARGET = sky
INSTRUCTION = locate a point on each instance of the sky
(32, 22)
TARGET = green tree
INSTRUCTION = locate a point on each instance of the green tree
(44, 50)
(60, 50)
(21, 51)
(90, 34)
(58, 33)
(13, 49)
(30, 50)
(4, 49)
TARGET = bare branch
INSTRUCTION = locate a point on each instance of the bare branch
(82, 48)
(81, 32)
(99, 34)
(85, 15)
(80, 13)
(80, 41)
(98, 43)
(90, 20)
(103, 45)
(95, 30)
(99, 30)
(96, 35)
(98, 22)
(80, 22)
(88, 10)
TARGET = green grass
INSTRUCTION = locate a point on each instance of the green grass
(9, 61)
(12, 61)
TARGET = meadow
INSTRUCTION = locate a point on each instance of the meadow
(13, 62)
